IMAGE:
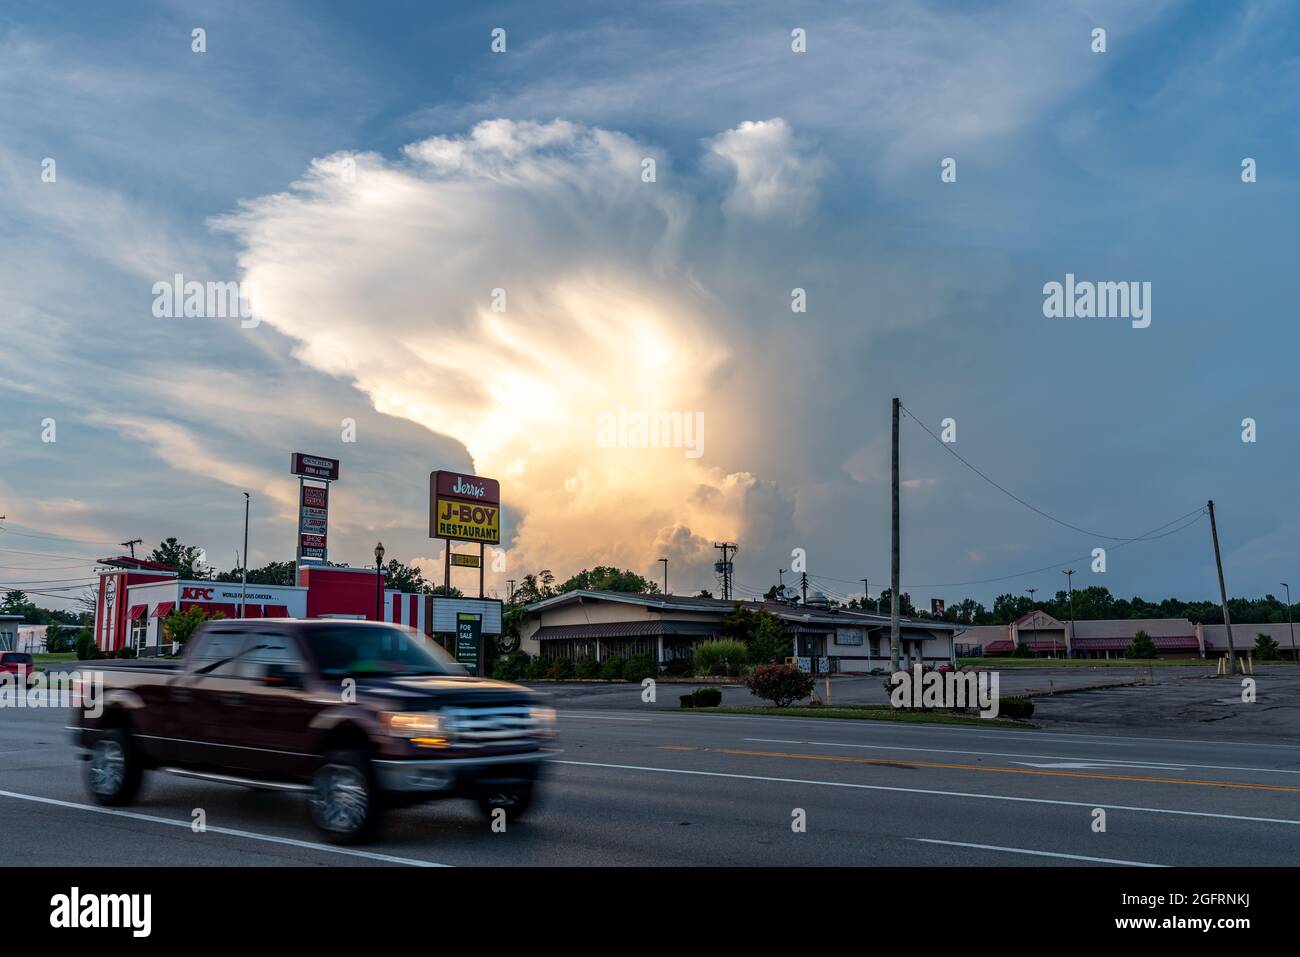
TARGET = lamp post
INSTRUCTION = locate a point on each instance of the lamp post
(1069, 635)
(1034, 630)
(243, 572)
(1290, 624)
(379, 582)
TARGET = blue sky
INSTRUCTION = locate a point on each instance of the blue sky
(775, 170)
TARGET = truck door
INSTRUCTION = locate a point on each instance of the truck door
(276, 706)
(206, 697)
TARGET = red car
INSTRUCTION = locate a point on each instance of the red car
(18, 663)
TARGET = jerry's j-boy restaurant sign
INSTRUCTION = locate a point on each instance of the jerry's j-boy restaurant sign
(464, 507)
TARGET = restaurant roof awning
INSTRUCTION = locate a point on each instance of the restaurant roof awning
(622, 629)
(276, 611)
(1163, 643)
(136, 612)
(163, 610)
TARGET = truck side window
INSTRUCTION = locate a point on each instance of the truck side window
(217, 646)
(277, 658)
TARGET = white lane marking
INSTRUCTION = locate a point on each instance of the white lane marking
(566, 715)
(789, 741)
(1023, 850)
(960, 794)
(233, 832)
(1112, 762)
(901, 727)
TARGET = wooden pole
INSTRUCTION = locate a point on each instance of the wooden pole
(893, 547)
(1223, 592)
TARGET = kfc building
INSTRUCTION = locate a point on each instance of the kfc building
(136, 596)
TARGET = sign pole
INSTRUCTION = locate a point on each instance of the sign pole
(481, 553)
(446, 568)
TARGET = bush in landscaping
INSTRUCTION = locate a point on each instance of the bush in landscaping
(587, 667)
(639, 667)
(781, 684)
(1022, 651)
(768, 642)
(126, 651)
(611, 668)
(536, 669)
(562, 669)
(678, 667)
(512, 667)
(702, 698)
(725, 656)
(1016, 708)
(1141, 646)
(86, 647)
(1265, 648)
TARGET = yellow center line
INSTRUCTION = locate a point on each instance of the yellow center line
(895, 762)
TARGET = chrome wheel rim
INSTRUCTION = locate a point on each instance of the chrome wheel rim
(340, 798)
(107, 767)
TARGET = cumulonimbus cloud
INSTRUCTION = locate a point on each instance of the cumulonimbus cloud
(505, 288)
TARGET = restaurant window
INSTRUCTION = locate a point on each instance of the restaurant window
(139, 627)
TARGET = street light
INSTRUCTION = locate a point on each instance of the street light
(379, 582)
(1289, 622)
(1033, 631)
(1069, 583)
(243, 572)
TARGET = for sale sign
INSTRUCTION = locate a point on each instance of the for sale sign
(469, 630)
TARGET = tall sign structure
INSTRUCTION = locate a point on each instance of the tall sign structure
(464, 508)
(313, 507)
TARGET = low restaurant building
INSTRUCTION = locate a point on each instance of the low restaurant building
(668, 627)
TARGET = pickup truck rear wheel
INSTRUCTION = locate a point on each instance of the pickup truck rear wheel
(114, 771)
(514, 802)
(345, 803)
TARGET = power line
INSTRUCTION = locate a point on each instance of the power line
(1005, 491)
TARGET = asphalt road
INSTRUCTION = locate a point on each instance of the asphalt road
(641, 786)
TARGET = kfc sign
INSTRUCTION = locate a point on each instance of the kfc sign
(190, 593)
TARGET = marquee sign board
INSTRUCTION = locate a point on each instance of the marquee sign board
(313, 504)
(464, 508)
(464, 561)
(314, 467)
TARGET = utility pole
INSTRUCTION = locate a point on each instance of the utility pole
(1034, 630)
(1289, 623)
(1223, 591)
(724, 566)
(866, 594)
(803, 586)
(511, 583)
(893, 546)
(131, 544)
(243, 573)
(665, 561)
(1069, 637)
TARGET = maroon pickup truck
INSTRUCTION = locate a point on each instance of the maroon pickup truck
(360, 715)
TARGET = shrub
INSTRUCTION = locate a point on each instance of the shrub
(781, 684)
(1022, 651)
(1141, 646)
(725, 656)
(86, 647)
(639, 667)
(1265, 648)
(612, 668)
(1017, 708)
(707, 697)
(536, 668)
(587, 667)
(126, 651)
(678, 667)
(768, 642)
(702, 698)
(562, 669)
(512, 667)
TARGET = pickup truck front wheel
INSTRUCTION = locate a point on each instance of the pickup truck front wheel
(114, 772)
(344, 800)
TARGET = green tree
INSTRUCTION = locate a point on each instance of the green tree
(272, 573)
(905, 609)
(183, 558)
(609, 578)
(1141, 647)
(1265, 648)
(534, 588)
(180, 626)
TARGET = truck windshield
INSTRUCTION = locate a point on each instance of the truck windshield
(376, 650)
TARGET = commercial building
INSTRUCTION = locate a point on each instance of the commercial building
(668, 627)
(136, 596)
(1046, 636)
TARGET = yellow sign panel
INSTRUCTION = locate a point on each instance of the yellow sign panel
(466, 521)
(464, 561)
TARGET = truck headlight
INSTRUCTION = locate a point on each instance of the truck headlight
(422, 727)
(544, 720)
